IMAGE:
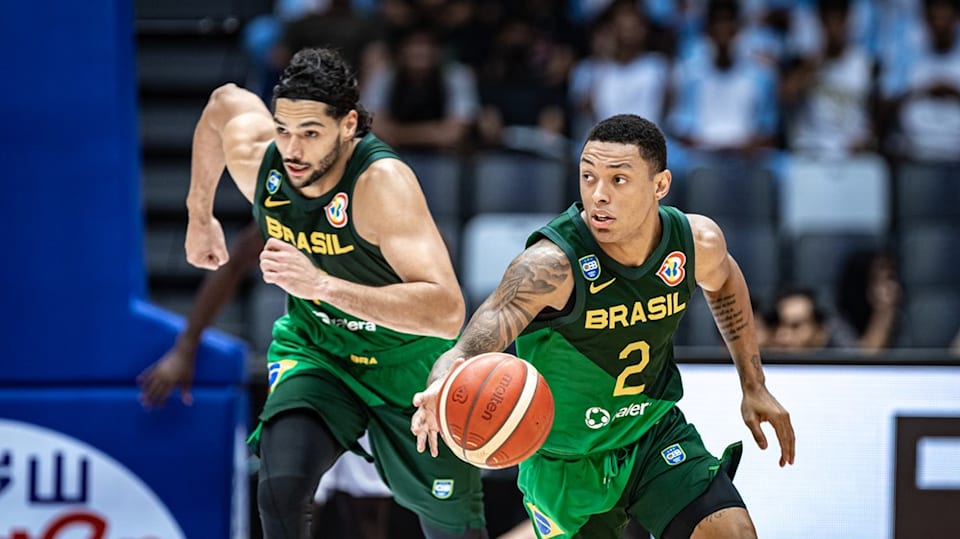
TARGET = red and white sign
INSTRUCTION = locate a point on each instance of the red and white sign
(53, 486)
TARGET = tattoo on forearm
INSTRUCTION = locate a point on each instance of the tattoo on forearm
(730, 316)
(513, 305)
(713, 517)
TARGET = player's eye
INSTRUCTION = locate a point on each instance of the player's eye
(282, 130)
(312, 134)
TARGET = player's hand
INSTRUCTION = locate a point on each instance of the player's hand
(424, 422)
(174, 369)
(759, 406)
(206, 245)
(284, 265)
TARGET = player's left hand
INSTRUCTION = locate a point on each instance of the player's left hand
(284, 265)
(423, 424)
(758, 406)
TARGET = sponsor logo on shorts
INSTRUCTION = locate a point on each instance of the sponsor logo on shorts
(545, 525)
(590, 267)
(674, 455)
(276, 370)
(442, 488)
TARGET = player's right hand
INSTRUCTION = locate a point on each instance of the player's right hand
(424, 422)
(174, 369)
(206, 245)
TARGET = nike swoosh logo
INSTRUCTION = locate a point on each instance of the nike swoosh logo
(594, 287)
(270, 203)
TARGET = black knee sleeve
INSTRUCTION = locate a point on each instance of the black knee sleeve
(296, 448)
(719, 495)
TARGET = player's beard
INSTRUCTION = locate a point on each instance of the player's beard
(321, 168)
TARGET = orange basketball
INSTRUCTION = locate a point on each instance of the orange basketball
(495, 410)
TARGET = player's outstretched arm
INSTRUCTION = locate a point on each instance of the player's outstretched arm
(539, 277)
(234, 131)
(726, 291)
(176, 367)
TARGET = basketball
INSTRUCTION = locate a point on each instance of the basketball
(495, 410)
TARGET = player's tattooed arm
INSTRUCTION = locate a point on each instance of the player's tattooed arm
(539, 277)
(730, 315)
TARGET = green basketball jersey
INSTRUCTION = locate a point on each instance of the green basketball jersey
(323, 229)
(608, 357)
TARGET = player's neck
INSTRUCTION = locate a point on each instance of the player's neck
(635, 249)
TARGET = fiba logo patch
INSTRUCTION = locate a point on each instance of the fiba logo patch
(442, 488)
(672, 271)
(590, 267)
(274, 178)
(596, 417)
(276, 370)
(336, 210)
(545, 525)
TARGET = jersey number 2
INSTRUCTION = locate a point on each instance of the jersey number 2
(622, 388)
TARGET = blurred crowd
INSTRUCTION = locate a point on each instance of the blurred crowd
(750, 81)
(827, 76)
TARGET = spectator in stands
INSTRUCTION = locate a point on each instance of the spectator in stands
(803, 324)
(828, 96)
(764, 322)
(522, 98)
(746, 88)
(633, 79)
(868, 298)
(921, 89)
(422, 102)
(601, 47)
(358, 36)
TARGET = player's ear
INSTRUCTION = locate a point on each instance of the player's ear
(662, 182)
(348, 127)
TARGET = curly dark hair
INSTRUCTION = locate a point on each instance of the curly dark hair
(640, 132)
(318, 74)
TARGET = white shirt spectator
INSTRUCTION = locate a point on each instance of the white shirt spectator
(835, 115)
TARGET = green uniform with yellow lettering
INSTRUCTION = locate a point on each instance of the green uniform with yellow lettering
(618, 445)
(355, 374)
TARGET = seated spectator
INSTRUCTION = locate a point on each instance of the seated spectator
(422, 102)
(868, 298)
(358, 36)
(764, 323)
(921, 89)
(723, 101)
(803, 324)
(523, 99)
(634, 78)
(827, 96)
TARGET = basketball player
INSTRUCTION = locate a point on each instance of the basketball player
(372, 296)
(351, 474)
(593, 302)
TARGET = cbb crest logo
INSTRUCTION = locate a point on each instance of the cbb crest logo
(590, 267)
(336, 210)
(672, 271)
(273, 181)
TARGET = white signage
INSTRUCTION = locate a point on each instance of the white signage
(53, 486)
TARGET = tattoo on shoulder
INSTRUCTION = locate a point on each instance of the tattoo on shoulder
(730, 316)
(518, 299)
